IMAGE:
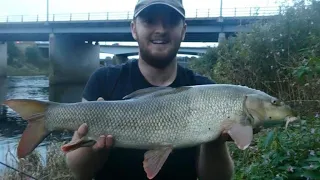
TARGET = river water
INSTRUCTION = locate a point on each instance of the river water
(31, 87)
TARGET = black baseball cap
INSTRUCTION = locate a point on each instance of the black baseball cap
(175, 4)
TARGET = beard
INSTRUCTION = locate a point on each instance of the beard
(158, 62)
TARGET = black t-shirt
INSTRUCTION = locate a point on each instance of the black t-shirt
(115, 82)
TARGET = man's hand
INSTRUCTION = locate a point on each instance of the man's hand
(84, 162)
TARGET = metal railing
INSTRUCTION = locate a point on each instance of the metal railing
(127, 15)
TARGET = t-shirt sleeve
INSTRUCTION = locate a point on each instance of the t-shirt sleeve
(94, 87)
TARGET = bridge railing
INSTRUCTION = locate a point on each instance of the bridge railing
(127, 15)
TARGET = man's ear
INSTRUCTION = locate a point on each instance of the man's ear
(133, 29)
(184, 30)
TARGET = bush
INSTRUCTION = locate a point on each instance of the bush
(26, 61)
(282, 58)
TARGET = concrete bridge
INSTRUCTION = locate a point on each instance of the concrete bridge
(73, 60)
(125, 50)
(204, 25)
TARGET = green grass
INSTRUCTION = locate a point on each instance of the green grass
(281, 154)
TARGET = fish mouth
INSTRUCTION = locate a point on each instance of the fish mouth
(290, 119)
(286, 120)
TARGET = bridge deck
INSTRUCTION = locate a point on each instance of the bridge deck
(200, 29)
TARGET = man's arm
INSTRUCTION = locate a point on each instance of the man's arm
(214, 161)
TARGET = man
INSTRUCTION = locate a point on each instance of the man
(159, 27)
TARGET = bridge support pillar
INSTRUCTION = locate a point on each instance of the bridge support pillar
(118, 59)
(72, 61)
(222, 37)
(3, 59)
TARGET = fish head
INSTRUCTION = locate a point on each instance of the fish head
(264, 109)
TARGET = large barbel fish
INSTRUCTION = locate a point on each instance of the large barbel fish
(158, 119)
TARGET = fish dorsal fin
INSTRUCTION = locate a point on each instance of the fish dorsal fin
(155, 92)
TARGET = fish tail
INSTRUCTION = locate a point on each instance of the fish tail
(33, 111)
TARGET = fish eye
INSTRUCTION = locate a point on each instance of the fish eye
(275, 101)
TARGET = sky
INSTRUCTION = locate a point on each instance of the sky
(8, 7)
(39, 7)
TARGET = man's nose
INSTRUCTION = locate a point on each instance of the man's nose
(160, 26)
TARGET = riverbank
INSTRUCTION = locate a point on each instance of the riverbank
(44, 163)
(26, 70)
(26, 59)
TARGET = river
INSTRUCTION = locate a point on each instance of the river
(31, 87)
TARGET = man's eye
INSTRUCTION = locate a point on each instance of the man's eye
(149, 21)
(173, 21)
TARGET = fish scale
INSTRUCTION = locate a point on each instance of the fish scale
(157, 119)
(151, 123)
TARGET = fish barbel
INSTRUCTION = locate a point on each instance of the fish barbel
(158, 119)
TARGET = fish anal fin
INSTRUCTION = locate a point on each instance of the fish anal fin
(154, 160)
(155, 92)
(83, 142)
(241, 134)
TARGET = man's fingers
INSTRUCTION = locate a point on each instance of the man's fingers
(101, 143)
(109, 141)
(225, 137)
(100, 99)
(82, 131)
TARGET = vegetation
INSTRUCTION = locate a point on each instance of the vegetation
(26, 61)
(55, 167)
(281, 57)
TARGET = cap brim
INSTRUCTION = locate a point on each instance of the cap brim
(157, 3)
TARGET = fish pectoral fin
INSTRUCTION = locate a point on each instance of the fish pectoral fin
(154, 160)
(242, 135)
(83, 142)
(155, 92)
